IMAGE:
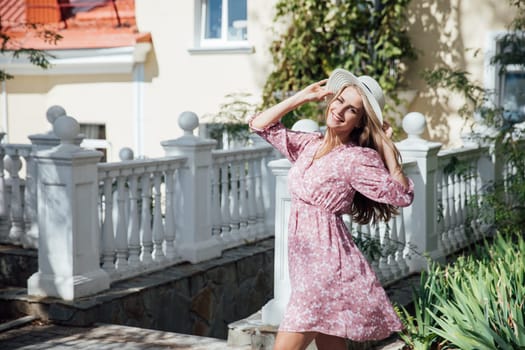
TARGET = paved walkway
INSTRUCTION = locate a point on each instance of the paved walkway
(40, 336)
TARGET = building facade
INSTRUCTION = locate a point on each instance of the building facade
(127, 82)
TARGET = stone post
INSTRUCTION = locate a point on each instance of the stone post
(193, 230)
(420, 223)
(39, 142)
(273, 311)
(67, 187)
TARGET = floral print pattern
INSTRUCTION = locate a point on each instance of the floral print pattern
(334, 289)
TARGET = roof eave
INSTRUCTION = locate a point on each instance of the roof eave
(118, 60)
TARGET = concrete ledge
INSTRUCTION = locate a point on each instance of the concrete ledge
(200, 299)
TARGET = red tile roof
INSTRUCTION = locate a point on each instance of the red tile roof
(106, 24)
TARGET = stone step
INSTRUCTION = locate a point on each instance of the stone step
(251, 331)
(16, 265)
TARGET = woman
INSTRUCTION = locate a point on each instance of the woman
(353, 169)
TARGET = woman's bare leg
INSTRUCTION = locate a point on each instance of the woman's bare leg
(293, 340)
(330, 342)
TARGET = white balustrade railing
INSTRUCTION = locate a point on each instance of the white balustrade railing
(136, 215)
(238, 209)
(196, 202)
(458, 189)
(18, 208)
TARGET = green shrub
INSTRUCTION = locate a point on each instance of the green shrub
(475, 303)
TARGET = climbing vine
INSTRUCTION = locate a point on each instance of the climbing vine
(363, 36)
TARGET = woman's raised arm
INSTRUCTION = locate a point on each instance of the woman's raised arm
(313, 92)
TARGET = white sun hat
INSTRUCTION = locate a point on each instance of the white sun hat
(340, 78)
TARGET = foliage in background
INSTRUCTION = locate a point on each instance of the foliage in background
(231, 119)
(363, 36)
(479, 300)
(502, 202)
(36, 57)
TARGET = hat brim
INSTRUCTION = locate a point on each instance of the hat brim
(341, 78)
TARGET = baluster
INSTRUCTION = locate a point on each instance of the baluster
(252, 210)
(13, 165)
(391, 258)
(234, 217)
(370, 233)
(447, 237)
(381, 230)
(462, 198)
(475, 223)
(216, 201)
(400, 255)
(466, 212)
(158, 229)
(30, 239)
(261, 229)
(145, 222)
(133, 228)
(472, 207)
(108, 238)
(4, 219)
(452, 212)
(243, 205)
(170, 216)
(121, 233)
(442, 240)
(458, 232)
(225, 203)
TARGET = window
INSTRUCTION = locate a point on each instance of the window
(508, 84)
(223, 24)
(512, 97)
(95, 138)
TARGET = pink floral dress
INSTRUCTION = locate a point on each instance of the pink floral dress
(334, 289)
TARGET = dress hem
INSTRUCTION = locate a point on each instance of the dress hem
(326, 332)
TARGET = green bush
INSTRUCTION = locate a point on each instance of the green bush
(475, 303)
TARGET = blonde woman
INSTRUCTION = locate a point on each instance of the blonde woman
(353, 169)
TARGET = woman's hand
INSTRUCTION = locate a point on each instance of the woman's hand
(314, 92)
(387, 129)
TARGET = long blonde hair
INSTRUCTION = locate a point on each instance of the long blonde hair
(369, 134)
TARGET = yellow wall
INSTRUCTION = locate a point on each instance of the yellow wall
(176, 80)
(448, 33)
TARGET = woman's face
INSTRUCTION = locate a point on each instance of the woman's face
(345, 113)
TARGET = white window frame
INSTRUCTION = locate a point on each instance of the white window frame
(222, 45)
(493, 81)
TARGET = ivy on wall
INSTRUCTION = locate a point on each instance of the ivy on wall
(363, 36)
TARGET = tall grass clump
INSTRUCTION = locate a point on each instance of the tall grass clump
(475, 303)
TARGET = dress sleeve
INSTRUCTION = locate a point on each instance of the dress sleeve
(370, 177)
(288, 142)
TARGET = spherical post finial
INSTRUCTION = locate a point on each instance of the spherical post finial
(414, 124)
(54, 112)
(306, 125)
(188, 121)
(126, 153)
(66, 128)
